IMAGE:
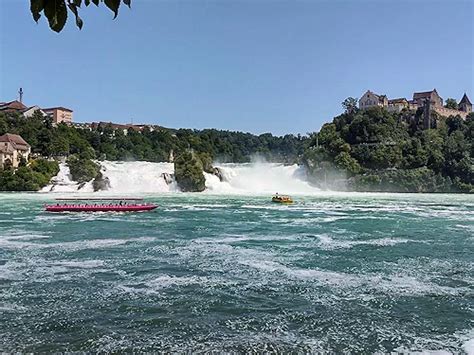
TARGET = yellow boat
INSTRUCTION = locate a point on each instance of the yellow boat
(282, 199)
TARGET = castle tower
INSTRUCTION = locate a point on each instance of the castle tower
(427, 114)
(465, 105)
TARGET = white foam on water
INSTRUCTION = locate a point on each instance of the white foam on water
(79, 264)
(15, 243)
(324, 277)
(11, 271)
(10, 307)
(100, 243)
(203, 205)
(19, 236)
(468, 346)
(7, 243)
(225, 240)
(39, 269)
(234, 238)
(395, 284)
(328, 243)
(155, 285)
(195, 208)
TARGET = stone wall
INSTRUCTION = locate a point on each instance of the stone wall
(446, 112)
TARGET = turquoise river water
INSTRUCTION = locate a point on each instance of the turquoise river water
(333, 272)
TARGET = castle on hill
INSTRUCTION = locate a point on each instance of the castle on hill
(420, 100)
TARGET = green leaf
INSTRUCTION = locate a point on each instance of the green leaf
(96, 2)
(87, 2)
(113, 5)
(79, 22)
(56, 13)
(127, 2)
(78, 3)
(36, 6)
(73, 8)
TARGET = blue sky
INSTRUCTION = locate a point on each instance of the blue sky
(256, 66)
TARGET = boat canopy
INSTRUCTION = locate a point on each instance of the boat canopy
(99, 199)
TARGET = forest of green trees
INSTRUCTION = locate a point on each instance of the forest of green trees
(369, 150)
(375, 150)
(107, 143)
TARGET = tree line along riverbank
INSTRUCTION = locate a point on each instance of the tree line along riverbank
(82, 148)
(360, 150)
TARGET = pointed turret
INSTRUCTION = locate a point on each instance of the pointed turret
(465, 105)
(465, 99)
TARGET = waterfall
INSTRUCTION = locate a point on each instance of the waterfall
(138, 176)
(146, 177)
(256, 178)
(63, 182)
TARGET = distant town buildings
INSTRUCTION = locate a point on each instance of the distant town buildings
(57, 114)
(12, 149)
(420, 99)
(116, 126)
(65, 115)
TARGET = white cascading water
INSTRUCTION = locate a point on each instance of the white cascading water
(138, 176)
(64, 183)
(258, 178)
(146, 177)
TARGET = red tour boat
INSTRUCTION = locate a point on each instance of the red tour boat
(99, 205)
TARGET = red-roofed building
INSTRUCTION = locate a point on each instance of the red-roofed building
(419, 98)
(12, 149)
(12, 106)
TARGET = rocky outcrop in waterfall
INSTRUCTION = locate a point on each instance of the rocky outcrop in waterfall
(219, 173)
(189, 172)
(169, 178)
(206, 161)
(82, 169)
(100, 183)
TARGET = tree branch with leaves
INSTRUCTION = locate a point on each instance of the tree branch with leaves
(350, 105)
(56, 11)
(451, 103)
